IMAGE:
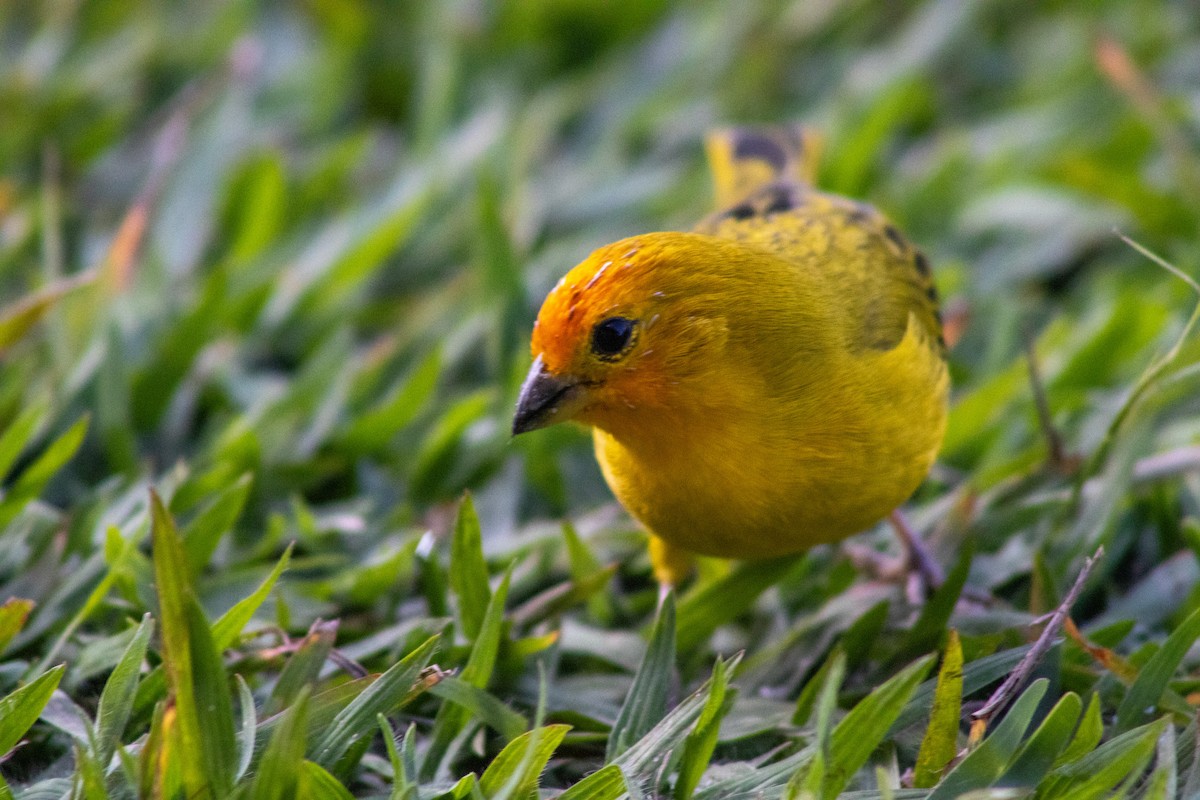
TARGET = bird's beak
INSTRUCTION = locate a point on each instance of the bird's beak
(545, 399)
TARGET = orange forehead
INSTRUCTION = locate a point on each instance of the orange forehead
(605, 282)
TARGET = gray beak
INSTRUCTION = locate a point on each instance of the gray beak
(544, 400)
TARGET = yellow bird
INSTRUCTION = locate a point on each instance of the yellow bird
(772, 380)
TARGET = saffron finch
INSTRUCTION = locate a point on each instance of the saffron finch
(771, 380)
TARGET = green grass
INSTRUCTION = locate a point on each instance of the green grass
(267, 273)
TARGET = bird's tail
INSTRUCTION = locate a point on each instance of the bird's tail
(745, 159)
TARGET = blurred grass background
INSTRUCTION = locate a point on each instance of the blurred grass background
(280, 261)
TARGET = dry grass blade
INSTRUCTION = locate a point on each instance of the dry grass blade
(1017, 678)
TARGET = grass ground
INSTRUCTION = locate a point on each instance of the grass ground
(278, 262)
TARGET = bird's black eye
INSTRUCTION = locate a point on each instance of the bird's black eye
(612, 337)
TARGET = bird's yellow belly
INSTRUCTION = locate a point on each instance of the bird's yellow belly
(745, 486)
(742, 509)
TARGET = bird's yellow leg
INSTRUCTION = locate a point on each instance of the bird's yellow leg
(672, 565)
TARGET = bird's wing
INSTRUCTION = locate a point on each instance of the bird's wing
(764, 187)
(880, 277)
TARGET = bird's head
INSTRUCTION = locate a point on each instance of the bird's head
(624, 334)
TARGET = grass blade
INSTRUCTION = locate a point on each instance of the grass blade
(39, 473)
(647, 753)
(702, 741)
(986, 763)
(19, 710)
(226, 629)
(18, 434)
(247, 735)
(482, 705)
(317, 784)
(390, 691)
(941, 737)
(116, 701)
(606, 783)
(468, 570)
(451, 718)
(1039, 752)
(810, 777)
(280, 768)
(203, 710)
(1095, 775)
(861, 731)
(204, 532)
(1151, 683)
(303, 668)
(646, 703)
(404, 772)
(514, 772)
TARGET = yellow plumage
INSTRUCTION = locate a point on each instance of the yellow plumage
(773, 380)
